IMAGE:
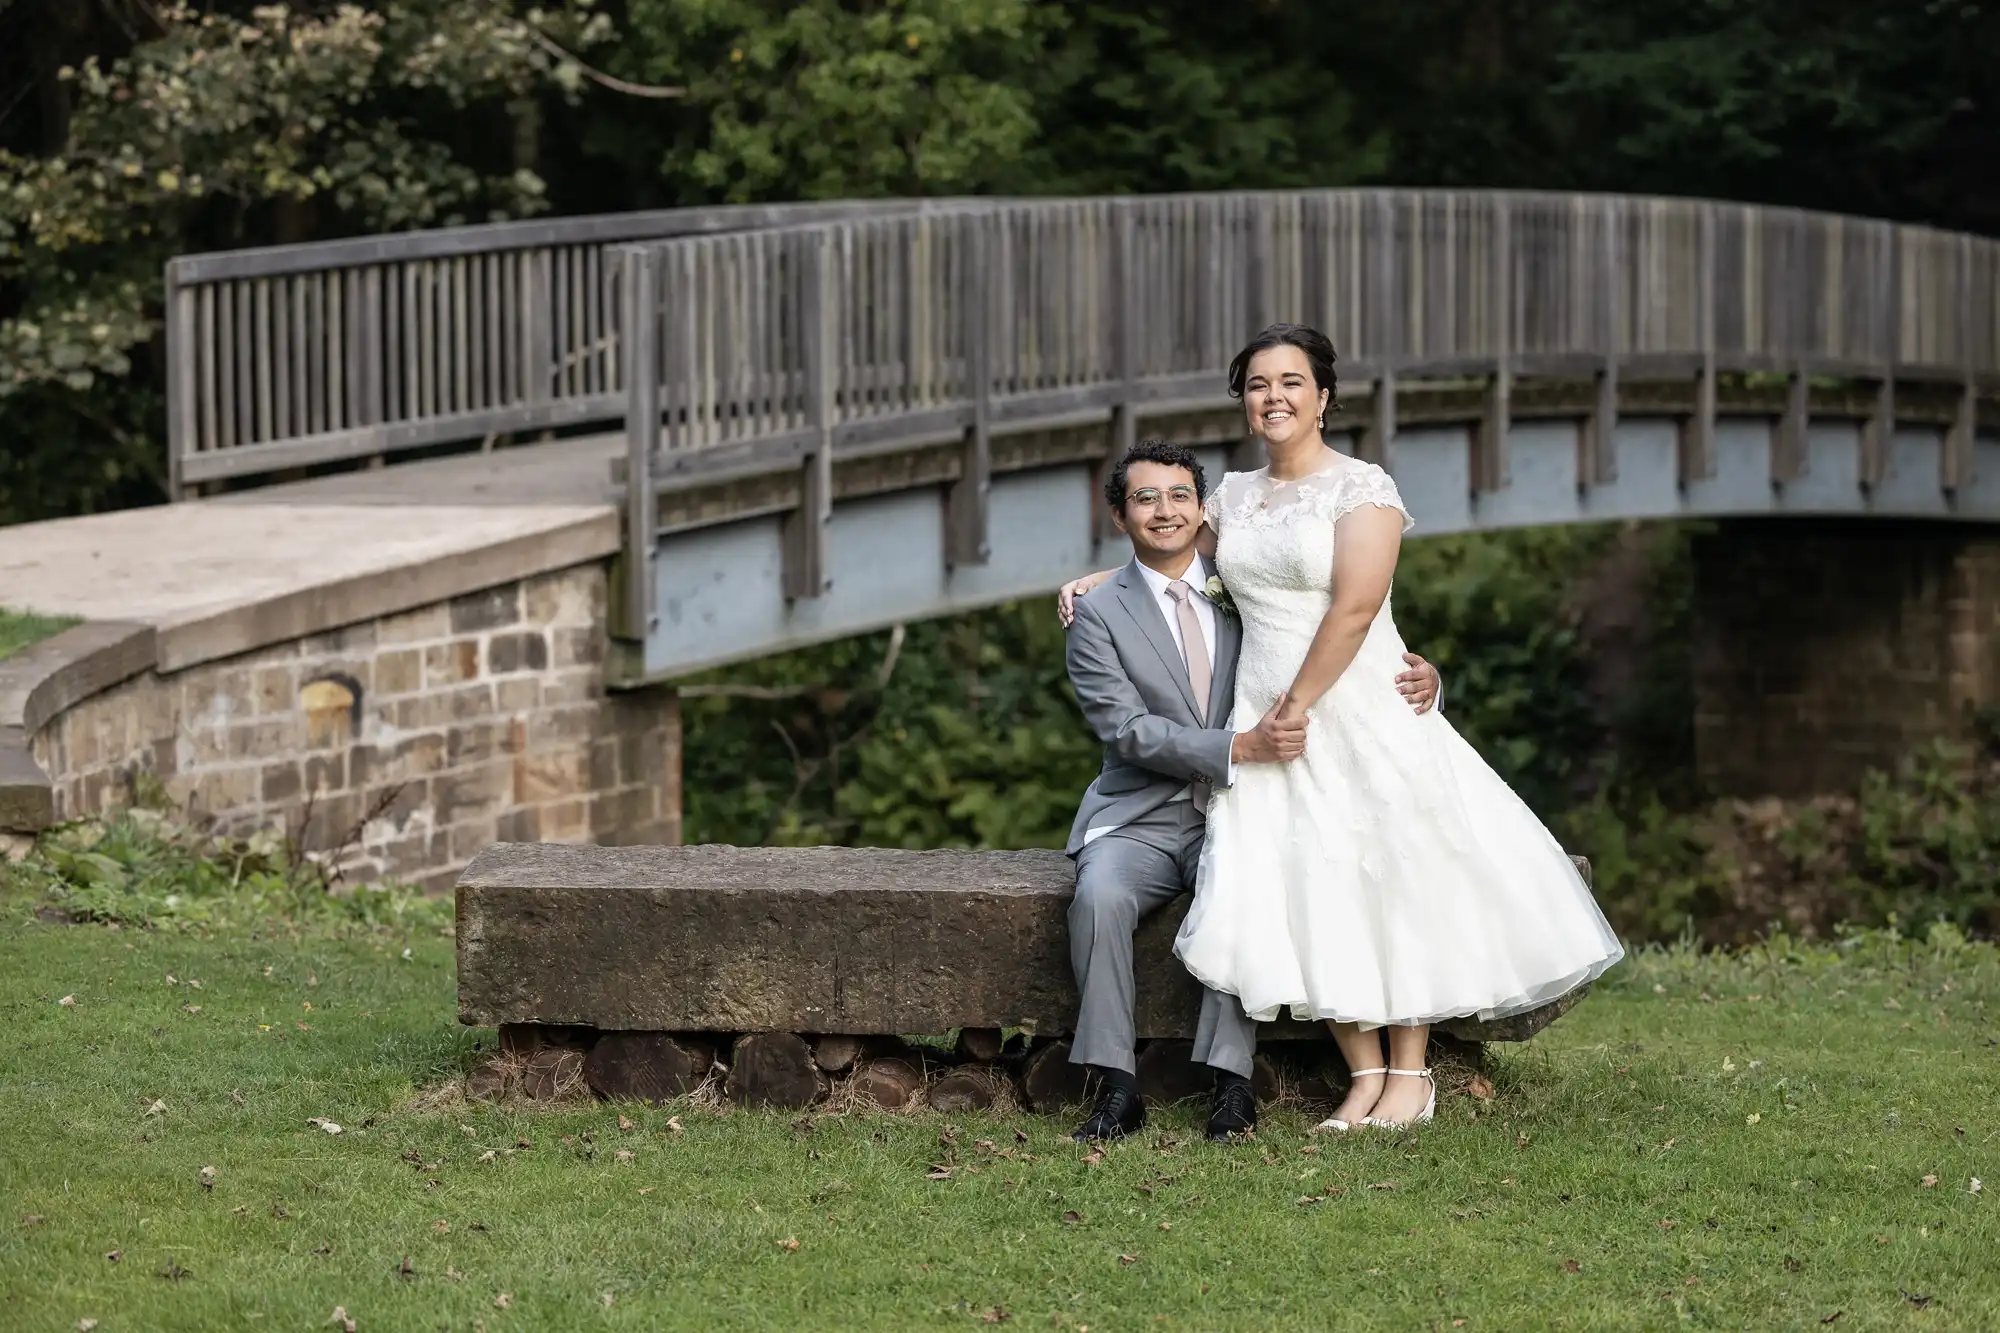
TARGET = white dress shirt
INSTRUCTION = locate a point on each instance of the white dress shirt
(1204, 613)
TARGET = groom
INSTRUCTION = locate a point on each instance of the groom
(1154, 666)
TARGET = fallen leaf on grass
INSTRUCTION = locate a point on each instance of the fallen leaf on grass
(1072, 1217)
(1093, 1157)
(1480, 1087)
(938, 1173)
(1919, 1301)
(1793, 1265)
(788, 1244)
(1127, 1260)
(626, 1125)
(406, 1268)
(1020, 1136)
(33, 1220)
(1752, 1118)
(67, 1002)
(608, 1298)
(85, 1325)
(674, 1124)
(157, 1108)
(1166, 1226)
(997, 1315)
(1304, 1199)
(207, 1178)
(1666, 1224)
(503, 1300)
(486, 1156)
(1929, 1181)
(649, 1189)
(321, 1122)
(441, 1226)
(1572, 1266)
(454, 1275)
(323, 1250)
(1383, 1185)
(173, 1272)
(1835, 1315)
(113, 1256)
(1975, 1186)
(624, 1155)
(340, 1317)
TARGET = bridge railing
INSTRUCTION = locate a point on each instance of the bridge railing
(294, 356)
(760, 351)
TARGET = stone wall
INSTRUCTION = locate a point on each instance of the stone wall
(1824, 647)
(434, 732)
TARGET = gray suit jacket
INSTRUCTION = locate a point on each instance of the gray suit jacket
(1133, 685)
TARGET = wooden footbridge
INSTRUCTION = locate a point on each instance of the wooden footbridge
(821, 419)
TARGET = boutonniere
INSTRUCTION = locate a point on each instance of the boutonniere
(1219, 595)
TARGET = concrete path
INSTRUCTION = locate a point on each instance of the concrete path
(222, 576)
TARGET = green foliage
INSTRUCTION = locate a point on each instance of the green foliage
(817, 99)
(19, 629)
(141, 867)
(203, 135)
(971, 738)
(1919, 845)
(1190, 96)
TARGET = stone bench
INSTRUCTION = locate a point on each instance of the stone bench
(559, 943)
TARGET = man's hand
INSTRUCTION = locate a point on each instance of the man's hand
(1272, 741)
(1419, 684)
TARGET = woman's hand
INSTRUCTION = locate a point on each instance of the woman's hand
(1066, 596)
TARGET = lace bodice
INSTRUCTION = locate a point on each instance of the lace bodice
(1274, 550)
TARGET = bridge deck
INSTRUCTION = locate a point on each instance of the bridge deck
(223, 578)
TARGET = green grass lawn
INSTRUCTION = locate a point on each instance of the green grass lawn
(1776, 1140)
(19, 629)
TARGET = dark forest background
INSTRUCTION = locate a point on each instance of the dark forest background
(132, 130)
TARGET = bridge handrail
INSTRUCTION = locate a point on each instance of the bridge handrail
(286, 356)
(307, 355)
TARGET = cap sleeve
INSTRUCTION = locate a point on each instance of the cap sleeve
(1369, 485)
(1211, 508)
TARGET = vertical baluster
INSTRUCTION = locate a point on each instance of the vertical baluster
(424, 351)
(460, 328)
(396, 314)
(185, 352)
(287, 394)
(333, 347)
(261, 321)
(225, 356)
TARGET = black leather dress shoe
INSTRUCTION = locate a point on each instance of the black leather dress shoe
(1120, 1111)
(1235, 1112)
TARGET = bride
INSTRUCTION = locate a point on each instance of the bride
(1387, 879)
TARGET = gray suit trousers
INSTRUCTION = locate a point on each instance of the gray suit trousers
(1121, 877)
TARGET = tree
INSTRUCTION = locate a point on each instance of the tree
(817, 99)
(226, 128)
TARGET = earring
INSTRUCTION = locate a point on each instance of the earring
(1322, 421)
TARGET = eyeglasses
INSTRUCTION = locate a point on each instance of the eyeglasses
(1148, 498)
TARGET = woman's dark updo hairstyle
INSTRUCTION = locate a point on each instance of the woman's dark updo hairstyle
(1316, 345)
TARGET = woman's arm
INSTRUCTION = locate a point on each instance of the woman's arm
(1067, 594)
(1366, 543)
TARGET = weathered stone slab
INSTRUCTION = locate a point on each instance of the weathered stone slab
(811, 940)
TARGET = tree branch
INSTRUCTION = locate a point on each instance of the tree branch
(615, 84)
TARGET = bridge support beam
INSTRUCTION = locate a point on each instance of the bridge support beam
(1825, 647)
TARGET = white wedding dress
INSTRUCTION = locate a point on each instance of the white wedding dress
(1388, 876)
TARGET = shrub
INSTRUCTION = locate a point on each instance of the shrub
(143, 867)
